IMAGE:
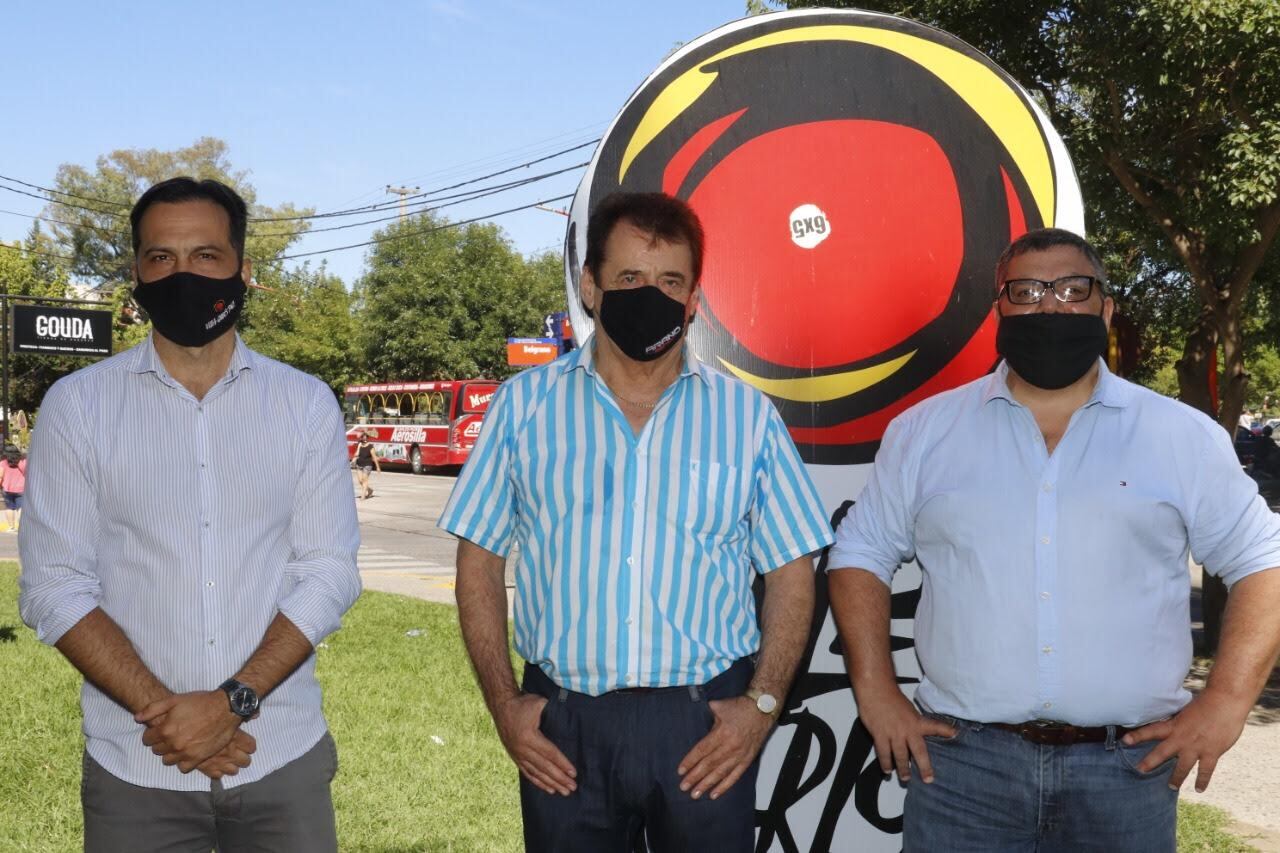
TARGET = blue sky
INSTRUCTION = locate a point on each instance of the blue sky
(325, 103)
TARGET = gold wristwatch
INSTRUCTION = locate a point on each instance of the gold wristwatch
(765, 702)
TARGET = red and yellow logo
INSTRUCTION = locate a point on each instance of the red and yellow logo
(857, 176)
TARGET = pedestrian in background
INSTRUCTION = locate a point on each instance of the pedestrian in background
(13, 482)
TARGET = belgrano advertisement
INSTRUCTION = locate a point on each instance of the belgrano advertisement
(60, 331)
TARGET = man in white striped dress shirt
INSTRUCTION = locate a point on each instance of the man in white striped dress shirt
(645, 492)
(190, 536)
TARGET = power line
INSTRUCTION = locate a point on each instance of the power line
(424, 195)
(63, 192)
(331, 214)
(462, 198)
(64, 222)
(402, 235)
(27, 251)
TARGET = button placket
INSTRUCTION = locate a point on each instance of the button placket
(1045, 555)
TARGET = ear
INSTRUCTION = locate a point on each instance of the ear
(1108, 309)
(691, 307)
(246, 271)
(587, 291)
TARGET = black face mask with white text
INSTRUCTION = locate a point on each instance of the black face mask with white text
(643, 321)
(1051, 350)
(190, 309)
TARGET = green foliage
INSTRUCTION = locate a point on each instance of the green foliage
(440, 302)
(1171, 112)
(304, 318)
(24, 272)
(96, 232)
(385, 696)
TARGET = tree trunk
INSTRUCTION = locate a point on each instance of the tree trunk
(1232, 385)
(1196, 362)
(1234, 381)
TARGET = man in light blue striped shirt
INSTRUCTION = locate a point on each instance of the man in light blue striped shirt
(190, 536)
(645, 492)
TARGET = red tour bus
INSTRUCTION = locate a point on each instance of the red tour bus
(418, 424)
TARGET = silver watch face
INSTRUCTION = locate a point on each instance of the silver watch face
(766, 703)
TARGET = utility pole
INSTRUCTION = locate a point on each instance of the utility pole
(402, 192)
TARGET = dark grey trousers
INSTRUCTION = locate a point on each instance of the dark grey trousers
(287, 810)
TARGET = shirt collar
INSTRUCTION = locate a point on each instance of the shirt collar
(584, 358)
(1110, 391)
(147, 360)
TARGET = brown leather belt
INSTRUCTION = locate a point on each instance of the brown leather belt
(1059, 734)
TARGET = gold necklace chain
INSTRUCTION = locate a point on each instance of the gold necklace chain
(637, 403)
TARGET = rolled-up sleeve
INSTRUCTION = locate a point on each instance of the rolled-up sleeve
(787, 517)
(482, 507)
(878, 533)
(58, 586)
(1233, 533)
(323, 532)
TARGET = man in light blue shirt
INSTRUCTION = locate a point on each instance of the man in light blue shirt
(645, 492)
(1052, 507)
(190, 536)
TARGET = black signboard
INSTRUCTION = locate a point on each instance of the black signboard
(60, 331)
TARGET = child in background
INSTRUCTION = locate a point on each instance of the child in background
(13, 482)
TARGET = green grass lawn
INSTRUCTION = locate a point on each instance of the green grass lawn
(387, 697)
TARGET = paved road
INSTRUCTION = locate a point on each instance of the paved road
(401, 549)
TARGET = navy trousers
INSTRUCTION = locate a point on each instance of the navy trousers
(626, 747)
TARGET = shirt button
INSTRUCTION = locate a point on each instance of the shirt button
(635, 504)
(631, 679)
(209, 584)
(1048, 704)
(1044, 540)
(629, 620)
(1048, 487)
(630, 561)
(206, 524)
(1048, 650)
(211, 641)
(1045, 596)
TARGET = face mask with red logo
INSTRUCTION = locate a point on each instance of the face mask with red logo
(189, 309)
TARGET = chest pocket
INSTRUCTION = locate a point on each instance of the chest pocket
(713, 499)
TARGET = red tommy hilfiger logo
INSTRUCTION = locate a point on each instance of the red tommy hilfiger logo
(219, 305)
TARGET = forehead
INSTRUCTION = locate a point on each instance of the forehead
(1050, 263)
(630, 246)
(197, 219)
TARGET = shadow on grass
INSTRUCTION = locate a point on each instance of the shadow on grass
(8, 634)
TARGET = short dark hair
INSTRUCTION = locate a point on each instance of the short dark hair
(1040, 239)
(666, 217)
(183, 188)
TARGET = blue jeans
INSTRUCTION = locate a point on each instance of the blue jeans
(626, 748)
(995, 792)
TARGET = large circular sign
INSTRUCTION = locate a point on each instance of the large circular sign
(857, 175)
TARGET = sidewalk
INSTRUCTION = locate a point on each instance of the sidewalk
(1246, 782)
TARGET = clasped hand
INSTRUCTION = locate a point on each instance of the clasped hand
(197, 731)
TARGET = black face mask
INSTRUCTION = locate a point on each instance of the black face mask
(1051, 350)
(643, 321)
(189, 309)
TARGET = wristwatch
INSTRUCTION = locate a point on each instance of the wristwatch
(242, 698)
(765, 702)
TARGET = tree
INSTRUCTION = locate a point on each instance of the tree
(440, 301)
(91, 215)
(27, 269)
(304, 318)
(1171, 110)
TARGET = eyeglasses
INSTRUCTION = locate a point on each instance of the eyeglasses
(1069, 288)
